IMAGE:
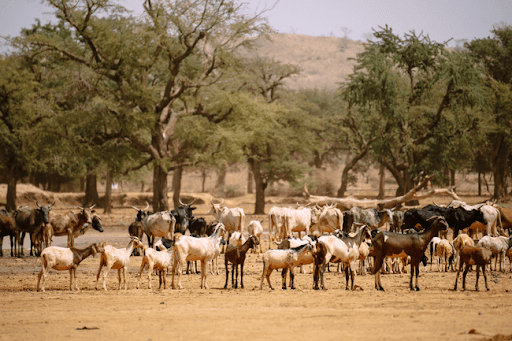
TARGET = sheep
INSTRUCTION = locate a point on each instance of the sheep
(256, 230)
(444, 252)
(236, 256)
(283, 259)
(63, 258)
(393, 244)
(193, 249)
(498, 247)
(473, 255)
(345, 250)
(158, 260)
(117, 259)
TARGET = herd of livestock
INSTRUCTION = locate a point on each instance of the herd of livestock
(358, 240)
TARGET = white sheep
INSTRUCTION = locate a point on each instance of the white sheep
(117, 259)
(285, 259)
(256, 230)
(157, 260)
(63, 258)
(203, 249)
(498, 247)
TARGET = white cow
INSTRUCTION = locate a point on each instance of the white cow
(276, 223)
(160, 224)
(330, 219)
(298, 220)
(498, 247)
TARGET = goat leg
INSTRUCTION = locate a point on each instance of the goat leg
(283, 274)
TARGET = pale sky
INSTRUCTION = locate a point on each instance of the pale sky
(440, 19)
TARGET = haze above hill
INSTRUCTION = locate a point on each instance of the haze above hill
(323, 60)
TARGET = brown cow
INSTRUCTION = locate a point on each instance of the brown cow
(75, 224)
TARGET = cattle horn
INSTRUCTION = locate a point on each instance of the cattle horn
(38, 204)
(135, 208)
(92, 207)
(181, 203)
(147, 206)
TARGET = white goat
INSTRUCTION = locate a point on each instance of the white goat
(498, 247)
(158, 260)
(63, 258)
(283, 259)
(290, 243)
(117, 259)
(256, 230)
(344, 250)
(188, 248)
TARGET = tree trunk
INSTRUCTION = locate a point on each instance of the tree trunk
(160, 201)
(108, 194)
(500, 167)
(250, 181)
(349, 165)
(11, 189)
(452, 177)
(204, 173)
(260, 186)
(382, 182)
(479, 184)
(91, 189)
(176, 184)
(221, 178)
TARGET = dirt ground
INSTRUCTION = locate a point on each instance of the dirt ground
(435, 312)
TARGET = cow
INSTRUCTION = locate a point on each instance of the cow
(160, 224)
(490, 213)
(183, 215)
(7, 228)
(330, 219)
(198, 227)
(371, 217)
(505, 221)
(74, 224)
(457, 218)
(298, 220)
(31, 220)
(276, 222)
(232, 218)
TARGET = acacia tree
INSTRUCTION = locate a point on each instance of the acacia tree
(19, 114)
(495, 55)
(422, 94)
(153, 68)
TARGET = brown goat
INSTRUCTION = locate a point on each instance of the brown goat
(236, 256)
(63, 258)
(473, 255)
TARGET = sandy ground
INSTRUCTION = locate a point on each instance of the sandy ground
(436, 312)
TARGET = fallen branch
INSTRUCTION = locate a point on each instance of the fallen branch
(346, 204)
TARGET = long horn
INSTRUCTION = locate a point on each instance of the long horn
(38, 204)
(222, 201)
(182, 204)
(147, 206)
(51, 205)
(92, 207)
(135, 208)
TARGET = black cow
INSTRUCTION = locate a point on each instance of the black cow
(457, 218)
(7, 228)
(183, 215)
(198, 227)
(31, 220)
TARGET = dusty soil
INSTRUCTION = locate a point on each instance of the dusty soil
(435, 312)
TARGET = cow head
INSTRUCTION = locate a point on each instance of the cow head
(44, 212)
(90, 218)
(141, 214)
(215, 209)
